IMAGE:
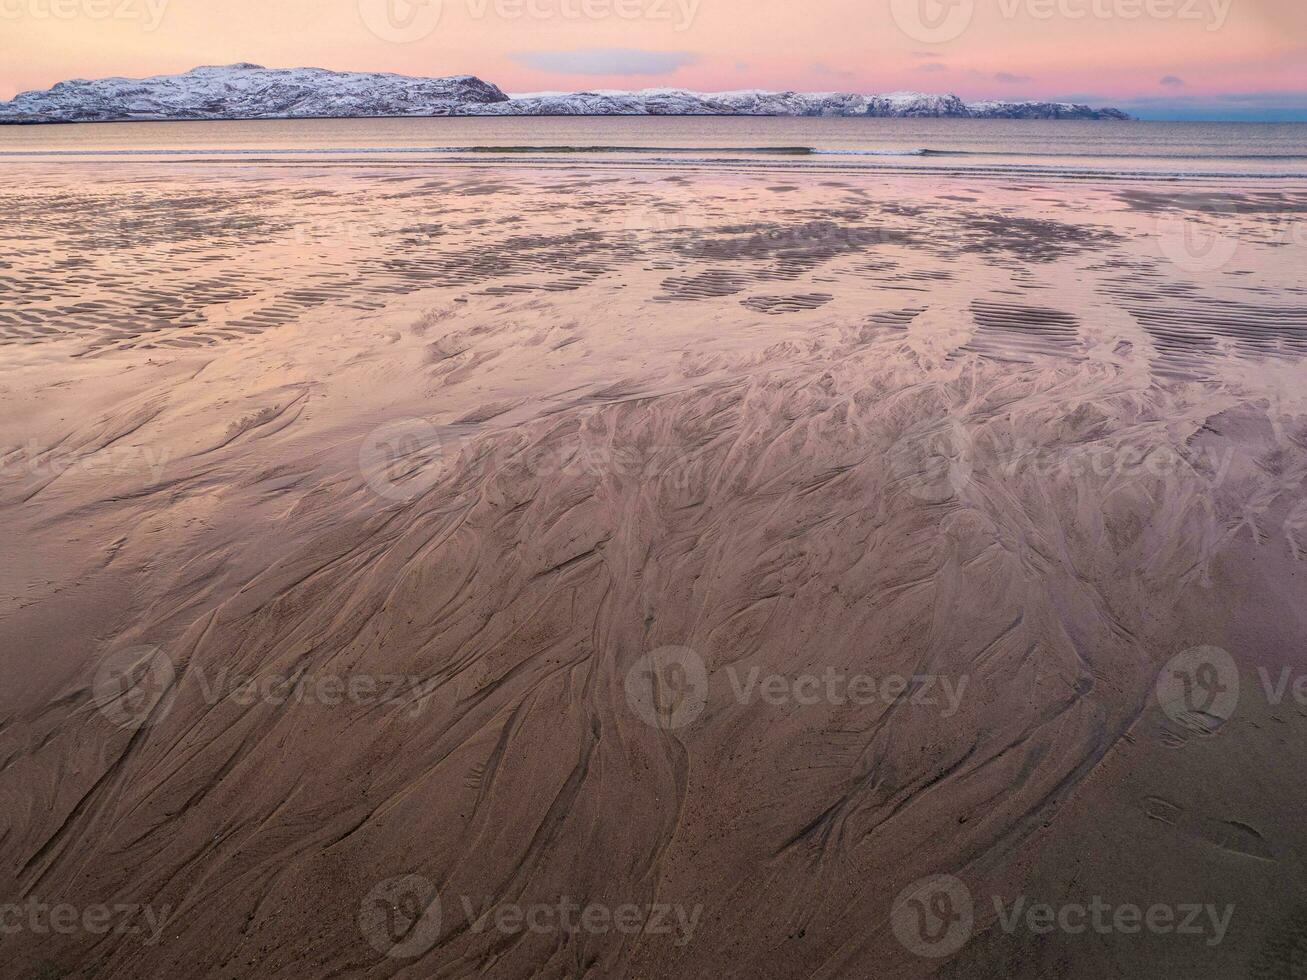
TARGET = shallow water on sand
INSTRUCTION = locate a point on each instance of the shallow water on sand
(940, 145)
(144, 260)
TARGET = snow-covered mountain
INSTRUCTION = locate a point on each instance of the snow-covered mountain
(247, 91)
(679, 102)
(990, 109)
(251, 92)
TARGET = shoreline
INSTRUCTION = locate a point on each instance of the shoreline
(587, 161)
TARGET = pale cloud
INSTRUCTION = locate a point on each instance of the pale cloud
(605, 61)
(818, 68)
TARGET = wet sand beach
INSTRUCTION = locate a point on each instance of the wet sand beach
(578, 570)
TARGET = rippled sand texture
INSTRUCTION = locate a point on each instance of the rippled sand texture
(504, 433)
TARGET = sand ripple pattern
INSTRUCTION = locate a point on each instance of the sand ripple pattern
(952, 445)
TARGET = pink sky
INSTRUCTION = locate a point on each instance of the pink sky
(1114, 50)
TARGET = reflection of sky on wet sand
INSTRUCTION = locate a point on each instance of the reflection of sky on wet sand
(141, 259)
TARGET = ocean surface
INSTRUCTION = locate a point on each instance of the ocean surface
(1121, 149)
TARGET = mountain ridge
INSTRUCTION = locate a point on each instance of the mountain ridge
(248, 91)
